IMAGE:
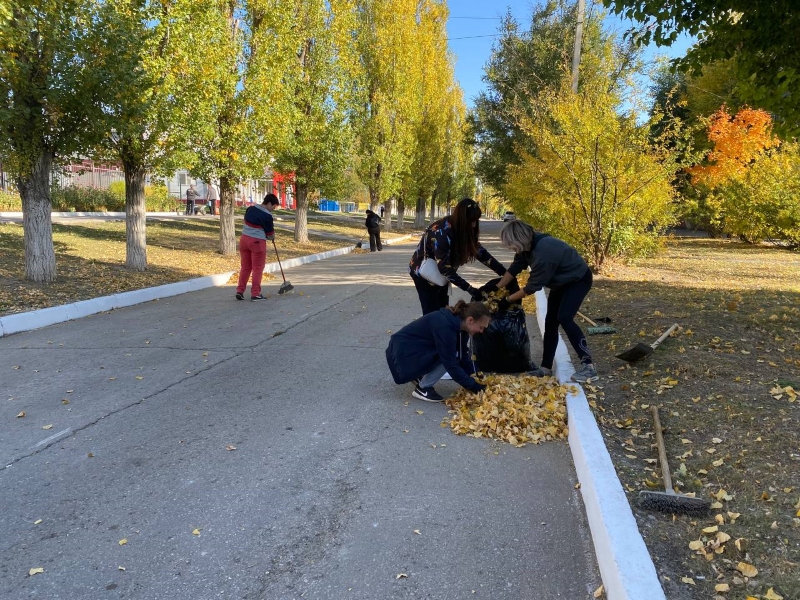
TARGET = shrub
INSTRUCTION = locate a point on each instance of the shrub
(10, 201)
(85, 199)
(595, 180)
(763, 203)
(157, 199)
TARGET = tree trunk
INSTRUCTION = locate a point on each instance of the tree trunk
(433, 206)
(387, 215)
(373, 199)
(419, 218)
(227, 229)
(401, 208)
(40, 257)
(301, 214)
(135, 217)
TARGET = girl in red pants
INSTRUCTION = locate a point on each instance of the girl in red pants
(258, 228)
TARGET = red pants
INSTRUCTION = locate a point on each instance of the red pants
(253, 253)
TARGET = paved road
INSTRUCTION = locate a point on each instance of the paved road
(334, 469)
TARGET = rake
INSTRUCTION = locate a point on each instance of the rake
(640, 350)
(669, 501)
(596, 329)
(286, 287)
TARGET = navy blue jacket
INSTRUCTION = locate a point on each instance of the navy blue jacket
(422, 344)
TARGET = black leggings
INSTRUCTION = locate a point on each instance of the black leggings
(431, 297)
(562, 306)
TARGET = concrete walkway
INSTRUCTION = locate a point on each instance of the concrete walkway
(333, 469)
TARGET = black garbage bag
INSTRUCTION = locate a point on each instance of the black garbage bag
(504, 346)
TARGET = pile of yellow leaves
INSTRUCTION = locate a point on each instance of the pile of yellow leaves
(493, 298)
(518, 410)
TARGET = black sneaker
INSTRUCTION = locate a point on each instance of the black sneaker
(259, 297)
(427, 394)
(239, 296)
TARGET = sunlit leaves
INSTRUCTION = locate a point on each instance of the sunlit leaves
(517, 410)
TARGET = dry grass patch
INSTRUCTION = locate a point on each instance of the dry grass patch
(91, 259)
(731, 422)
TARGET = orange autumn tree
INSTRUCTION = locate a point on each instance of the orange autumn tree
(738, 142)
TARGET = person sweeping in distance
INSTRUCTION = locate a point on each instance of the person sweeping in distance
(556, 265)
(258, 228)
(451, 242)
(437, 342)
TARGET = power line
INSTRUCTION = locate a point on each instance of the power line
(471, 37)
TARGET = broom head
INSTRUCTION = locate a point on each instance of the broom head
(638, 352)
(600, 330)
(673, 503)
(286, 287)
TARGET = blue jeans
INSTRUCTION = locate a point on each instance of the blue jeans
(432, 378)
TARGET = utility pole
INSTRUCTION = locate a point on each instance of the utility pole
(576, 56)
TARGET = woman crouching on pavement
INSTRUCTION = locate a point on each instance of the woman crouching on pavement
(436, 343)
(556, 265)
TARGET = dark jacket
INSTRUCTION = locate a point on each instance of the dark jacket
(422, 344)
(258, 223)
(553, 264)
(439, 241)
(372, 221)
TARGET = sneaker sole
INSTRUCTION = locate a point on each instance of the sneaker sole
(424, 399)
(587, 380)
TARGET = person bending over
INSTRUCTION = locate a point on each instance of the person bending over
(437, 342)
(556, 265)
(451, 242)
(258, 228)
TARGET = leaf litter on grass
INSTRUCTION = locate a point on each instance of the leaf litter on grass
(90, 258)
(736, 355)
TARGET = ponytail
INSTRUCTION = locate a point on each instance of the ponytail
(476, 310)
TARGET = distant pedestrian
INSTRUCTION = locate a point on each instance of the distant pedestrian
(212, 196)
(373, 224)
(258, 228)
(556, 265)
(191, 196)
(426, 348)
(382, 209)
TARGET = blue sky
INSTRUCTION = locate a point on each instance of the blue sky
(472, 29)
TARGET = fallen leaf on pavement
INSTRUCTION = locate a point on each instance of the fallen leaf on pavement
(36, 571)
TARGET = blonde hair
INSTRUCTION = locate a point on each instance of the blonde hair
(517, 235)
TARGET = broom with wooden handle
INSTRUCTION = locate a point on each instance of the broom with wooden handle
(669, 501)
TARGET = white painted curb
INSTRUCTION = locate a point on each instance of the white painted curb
(121, 215)
(36, 319)
(625, 565)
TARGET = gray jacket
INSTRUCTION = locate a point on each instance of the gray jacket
(553, 264)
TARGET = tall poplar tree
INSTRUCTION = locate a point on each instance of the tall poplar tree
(384, 119)
(318, 152)
(153, 56)
(50, 99)
(253, 46)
